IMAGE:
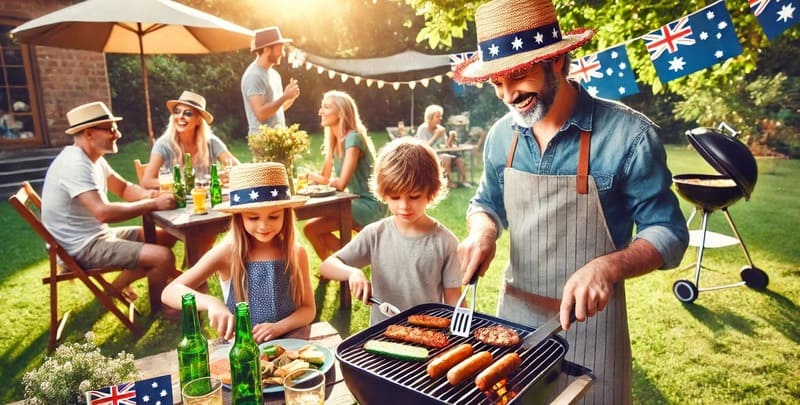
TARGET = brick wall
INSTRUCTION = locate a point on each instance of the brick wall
(66, 78)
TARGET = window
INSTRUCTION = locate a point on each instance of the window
(19, 123)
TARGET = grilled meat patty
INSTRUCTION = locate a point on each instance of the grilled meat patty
(497, 335)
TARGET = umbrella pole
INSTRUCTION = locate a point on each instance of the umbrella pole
(146, 87)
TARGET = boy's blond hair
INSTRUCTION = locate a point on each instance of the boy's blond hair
(407, 165)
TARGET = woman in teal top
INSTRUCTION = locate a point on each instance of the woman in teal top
(349, 156)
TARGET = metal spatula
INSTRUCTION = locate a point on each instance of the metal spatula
(462, 317)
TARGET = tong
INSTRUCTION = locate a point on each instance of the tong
(385, 307)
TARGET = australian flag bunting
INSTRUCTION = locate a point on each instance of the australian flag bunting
(151, 391)
(775, 16)
(605, 74)
(693, 43)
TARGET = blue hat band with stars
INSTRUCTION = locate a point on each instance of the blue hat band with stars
(260, 194)
(520, 42)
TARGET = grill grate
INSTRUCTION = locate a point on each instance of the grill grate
(412, 377)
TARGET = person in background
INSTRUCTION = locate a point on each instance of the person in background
(570, 176)
(260, 261)
(432, 132)
(265, 99)
(349, 157)
(77, 211)
(409, 179)
(188, 131)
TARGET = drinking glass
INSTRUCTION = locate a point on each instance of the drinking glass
(304, 387)
(165, 179)
(199, 200)
(203, 391)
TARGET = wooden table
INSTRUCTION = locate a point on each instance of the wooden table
(191, 228)
(462, 148)
(321, 333)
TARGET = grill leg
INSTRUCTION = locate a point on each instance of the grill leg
(700, 249)
(736, 232)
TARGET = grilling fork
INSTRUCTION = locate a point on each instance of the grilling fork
(462, 317)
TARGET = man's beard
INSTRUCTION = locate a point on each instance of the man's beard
(544, 101)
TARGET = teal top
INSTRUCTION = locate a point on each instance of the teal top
(366, 208)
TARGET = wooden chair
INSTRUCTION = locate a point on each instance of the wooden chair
(139, 169)
(28, 203)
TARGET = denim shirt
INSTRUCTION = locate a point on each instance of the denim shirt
(627, 162)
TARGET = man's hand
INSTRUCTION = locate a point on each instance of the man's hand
(292, 90)
(476, 253)
(165, 201)
(588, 290)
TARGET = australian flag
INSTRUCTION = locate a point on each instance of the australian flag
(152, 391)
(605, 74)
(693, 43)
(775, 16)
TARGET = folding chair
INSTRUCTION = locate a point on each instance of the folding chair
(28, 203)
(139, 169)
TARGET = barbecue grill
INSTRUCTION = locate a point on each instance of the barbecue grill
(736, 179)
(375, 379)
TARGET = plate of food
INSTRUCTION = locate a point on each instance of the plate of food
(317, 190)
(278, 358)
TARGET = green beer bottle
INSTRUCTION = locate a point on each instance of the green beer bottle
(177, 188)
(188, 173)
(193, 346)
(215, 187)
(245, 361)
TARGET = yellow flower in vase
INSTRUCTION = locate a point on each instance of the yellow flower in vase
(279, 144)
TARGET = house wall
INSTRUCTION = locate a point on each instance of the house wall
(65, 78)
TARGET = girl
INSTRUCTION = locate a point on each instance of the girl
(258, 262)
(413, 256)
(349, 156)
(188, 131)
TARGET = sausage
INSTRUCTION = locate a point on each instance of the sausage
(445, 361)
(497, 371)
(429, 321)
(469, 367)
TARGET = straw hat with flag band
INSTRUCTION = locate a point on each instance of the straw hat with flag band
(193, 100)
(259, 185)
(267, 37)
(514, 35)
(89, 115)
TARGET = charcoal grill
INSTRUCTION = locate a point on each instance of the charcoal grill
(375, 379)
(708, 193)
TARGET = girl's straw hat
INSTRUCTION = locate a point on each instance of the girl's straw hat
(89, 115)
(514, 35)
(193, 100)
(259, 185)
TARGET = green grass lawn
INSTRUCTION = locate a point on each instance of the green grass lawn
(730, 346)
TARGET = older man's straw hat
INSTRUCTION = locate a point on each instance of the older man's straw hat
(89, 115)
(267, 37)
(514, 35)
(193, 100)
(259, 185)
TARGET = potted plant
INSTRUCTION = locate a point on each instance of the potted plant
(73, 369)
(279, 144)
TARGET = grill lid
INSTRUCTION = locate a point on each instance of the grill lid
(727, 155)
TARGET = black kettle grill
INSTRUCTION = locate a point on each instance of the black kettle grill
(709, 193)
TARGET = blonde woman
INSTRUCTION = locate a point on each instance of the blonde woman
(349, 158)
(188, 131)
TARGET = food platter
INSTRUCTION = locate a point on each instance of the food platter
(317, 190)
(289, 344)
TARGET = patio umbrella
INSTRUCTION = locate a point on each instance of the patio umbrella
(141, 27)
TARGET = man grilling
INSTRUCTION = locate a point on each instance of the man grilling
(569, 175)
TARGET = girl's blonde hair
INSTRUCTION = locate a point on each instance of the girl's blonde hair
(406, 165)
(241, 247)
(202, 133)
(349, 120)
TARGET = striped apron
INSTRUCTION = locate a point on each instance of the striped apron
(556, 226)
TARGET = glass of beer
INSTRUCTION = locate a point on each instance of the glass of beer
(165, 179)
(304, 387)
(203, 391)
(199, 200)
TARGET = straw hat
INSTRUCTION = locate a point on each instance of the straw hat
(89, 115)
(514, 35)
(259, 185)
(193, 100)
(267, 37)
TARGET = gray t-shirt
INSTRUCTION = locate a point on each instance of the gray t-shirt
(71, 174)
(425, 134)
(406, 271)
(257, 81)
(163, 148)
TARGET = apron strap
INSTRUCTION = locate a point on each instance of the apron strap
(513, 150)
(583, 164)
